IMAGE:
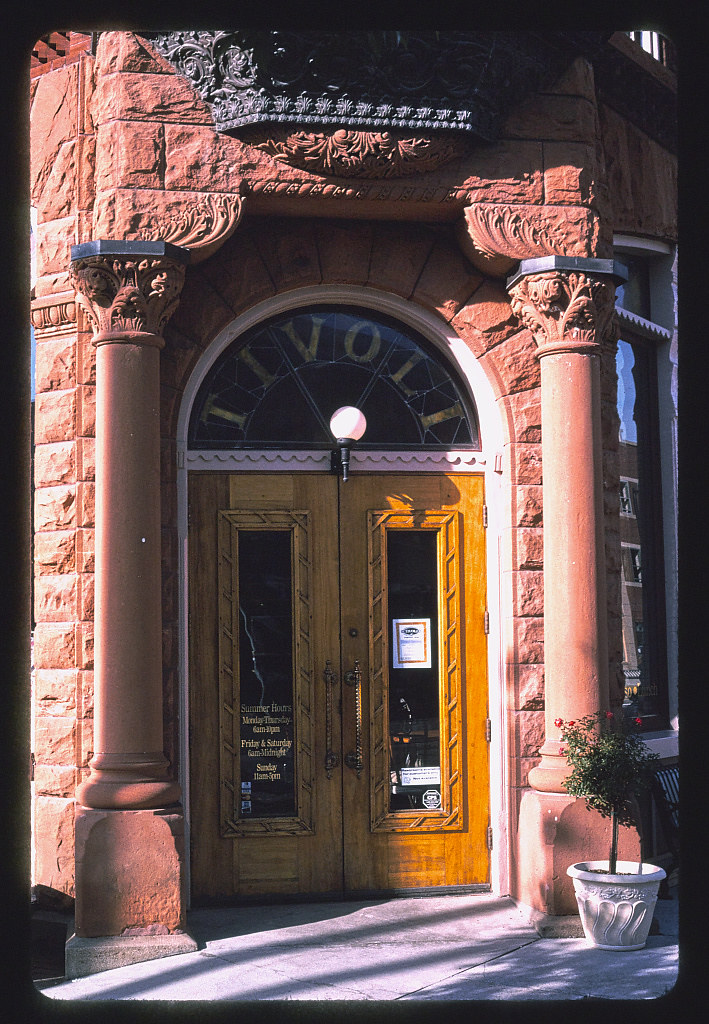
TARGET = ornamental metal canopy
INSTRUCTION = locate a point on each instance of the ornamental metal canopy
(461, 81)
(278, 385)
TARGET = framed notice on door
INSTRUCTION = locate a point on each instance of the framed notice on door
(412, 643)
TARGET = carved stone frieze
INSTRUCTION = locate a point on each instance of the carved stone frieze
(363, 154)
(565, 309)
(54, 314)
(128, 294)
(205, 226)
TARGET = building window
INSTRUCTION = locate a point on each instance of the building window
(643, 577)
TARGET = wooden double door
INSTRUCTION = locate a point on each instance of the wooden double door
(338, 685)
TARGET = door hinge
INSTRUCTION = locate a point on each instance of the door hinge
(489, 837)
(486, 621)
(485, 516)
(488, 729)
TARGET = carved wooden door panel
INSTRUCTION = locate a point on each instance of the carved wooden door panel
(337, 683)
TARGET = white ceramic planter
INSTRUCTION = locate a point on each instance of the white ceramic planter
(616, 910)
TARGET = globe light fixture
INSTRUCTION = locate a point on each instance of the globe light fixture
(348, 425)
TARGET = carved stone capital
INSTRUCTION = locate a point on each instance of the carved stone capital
(496, 236)
(128, 288)
(203, 228)
(567, 307)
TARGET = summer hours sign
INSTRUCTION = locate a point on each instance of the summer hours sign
(267, 760)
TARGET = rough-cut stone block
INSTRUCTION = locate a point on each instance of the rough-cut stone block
(506, 172)
(86, 410)
(289, 251)
(514, 361)
(59, 194)
(54, 464)
(529, 726)
(398, 257)
(85, 499)
(529, 687)
(85, 458)
(130, 154)
(345, 250)
(85, 648)
(54, 416)
(526, 463)
(55, 364)
(527, 502)
(527, 415)
(126, 51)
(129, 871)
(577, 80)
(524, 549)
(488, 311)
(54, 240)
(55, 691)
(85, 550)
(86, 596)
(570, 173)
(55, 598)
(139, 97)
(54, 645)
(86, 357)
(55, 507)
(529, 640)
(55, 739)
(201, 159)
(54, 843)
(529, 592)
(53, 122)
(54, 780)
(560, 118)
(447, 281)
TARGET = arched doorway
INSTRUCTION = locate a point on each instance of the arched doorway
(338, 716)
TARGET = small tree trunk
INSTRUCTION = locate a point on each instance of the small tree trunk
(614, 844)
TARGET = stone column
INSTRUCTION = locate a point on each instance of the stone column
(129, 823)
(567, 303)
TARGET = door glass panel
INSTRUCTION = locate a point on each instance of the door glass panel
(414, 699)
(266, 674)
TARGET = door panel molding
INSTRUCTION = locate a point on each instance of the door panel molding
(450, 816)
(298, 524)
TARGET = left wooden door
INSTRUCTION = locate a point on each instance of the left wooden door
(266, 808)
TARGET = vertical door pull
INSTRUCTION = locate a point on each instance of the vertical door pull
(331, 758)
(354, 758)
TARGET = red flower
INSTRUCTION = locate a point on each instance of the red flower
(572, 723)
(562, 750)
(609, 714)
(638, 721)
(558, 722)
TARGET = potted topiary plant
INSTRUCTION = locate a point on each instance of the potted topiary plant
(609, 765)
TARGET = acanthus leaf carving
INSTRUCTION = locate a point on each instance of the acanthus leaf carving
(124, 294)
(205, 226)
(565, 308)
(495, 236)
(362, 154)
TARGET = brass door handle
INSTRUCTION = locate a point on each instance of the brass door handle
(354, 759)
(331, 758)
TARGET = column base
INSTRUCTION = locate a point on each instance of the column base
(85, 956)
(129, 873)
(554, 831)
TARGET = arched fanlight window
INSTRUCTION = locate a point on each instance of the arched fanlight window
(278, 385)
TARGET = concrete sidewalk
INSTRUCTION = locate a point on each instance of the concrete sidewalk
(428, 948)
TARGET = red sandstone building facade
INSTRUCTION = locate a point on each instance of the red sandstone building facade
(253, 677)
